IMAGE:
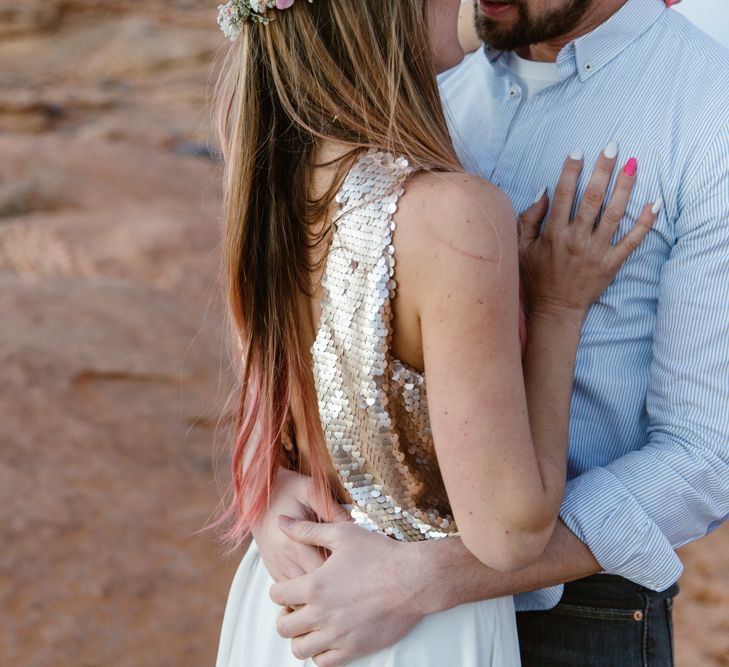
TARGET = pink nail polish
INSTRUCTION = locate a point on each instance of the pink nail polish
(631, 167)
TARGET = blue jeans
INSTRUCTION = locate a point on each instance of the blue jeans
(601, 621)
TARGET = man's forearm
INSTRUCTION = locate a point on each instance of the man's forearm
(454, 576)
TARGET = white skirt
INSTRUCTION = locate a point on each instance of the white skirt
(479, 634)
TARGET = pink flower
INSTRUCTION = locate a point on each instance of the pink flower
(284, 4)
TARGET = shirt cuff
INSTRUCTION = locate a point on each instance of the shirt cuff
(540, 600)
(602, 513)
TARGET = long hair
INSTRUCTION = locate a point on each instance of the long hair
(354, 72)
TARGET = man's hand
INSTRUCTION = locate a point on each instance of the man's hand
(362, 599)
(373, 590)
(285, 558)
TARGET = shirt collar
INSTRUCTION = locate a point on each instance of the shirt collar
(591, 52)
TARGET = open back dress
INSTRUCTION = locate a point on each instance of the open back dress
(374, 416)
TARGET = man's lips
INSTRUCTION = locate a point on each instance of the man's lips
(495, 9)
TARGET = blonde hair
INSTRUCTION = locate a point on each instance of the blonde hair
(356, 72)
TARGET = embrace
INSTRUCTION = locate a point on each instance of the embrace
(479, 287)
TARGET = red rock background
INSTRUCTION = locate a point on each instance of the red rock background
(113, 376)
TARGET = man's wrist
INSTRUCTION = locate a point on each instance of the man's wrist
(423, 578)
(441, 576)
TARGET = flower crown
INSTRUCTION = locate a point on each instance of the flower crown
(233, 14)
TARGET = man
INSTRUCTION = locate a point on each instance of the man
(649, 428)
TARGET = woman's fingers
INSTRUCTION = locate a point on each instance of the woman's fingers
(594, 197)
(630, 242)
(312, 533)
(531, 219)
(618, 204)
(322, 509)
(564, 193)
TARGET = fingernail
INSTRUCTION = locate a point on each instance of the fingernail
(631, 167)
(540, 196)
(611, 150)
(576, 154)
(656, 209)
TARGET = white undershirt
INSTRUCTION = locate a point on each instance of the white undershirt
(533, 76)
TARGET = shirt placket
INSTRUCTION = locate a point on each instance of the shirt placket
(523, 129)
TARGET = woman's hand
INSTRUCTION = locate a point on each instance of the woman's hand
(570, 263)
(293, 495)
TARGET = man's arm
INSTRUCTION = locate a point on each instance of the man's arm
(389, 586)
(566, 558)
(635, 511)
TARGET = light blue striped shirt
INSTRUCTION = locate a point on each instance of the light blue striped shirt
(649, 426)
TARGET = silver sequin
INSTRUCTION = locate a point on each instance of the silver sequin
(373, 407)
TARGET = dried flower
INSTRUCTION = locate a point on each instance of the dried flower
(234, 13)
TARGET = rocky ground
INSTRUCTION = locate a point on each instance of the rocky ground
(702, 607)
(111, 344)
(112, 362)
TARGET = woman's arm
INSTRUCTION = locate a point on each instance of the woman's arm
(502, 448)
(504, 491)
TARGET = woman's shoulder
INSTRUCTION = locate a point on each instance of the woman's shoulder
(455, 210)
(457, 188)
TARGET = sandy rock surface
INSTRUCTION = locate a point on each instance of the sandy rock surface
(112, 364)
(702, 607)
(112, 360)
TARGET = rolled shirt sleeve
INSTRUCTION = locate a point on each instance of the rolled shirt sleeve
(635, 511)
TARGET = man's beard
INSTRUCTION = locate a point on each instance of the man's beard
(530, 29)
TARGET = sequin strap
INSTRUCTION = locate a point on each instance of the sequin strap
(351, 361)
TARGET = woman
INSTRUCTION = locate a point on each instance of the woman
(337, 154)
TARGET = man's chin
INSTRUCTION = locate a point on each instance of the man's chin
(514, 27)
(499, 38)
(499, 30)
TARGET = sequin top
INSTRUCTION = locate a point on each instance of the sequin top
(373, 408)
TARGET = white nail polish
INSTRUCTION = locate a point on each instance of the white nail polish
(540, 196)
(576, 154)
(611, 150)
(656, 209)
